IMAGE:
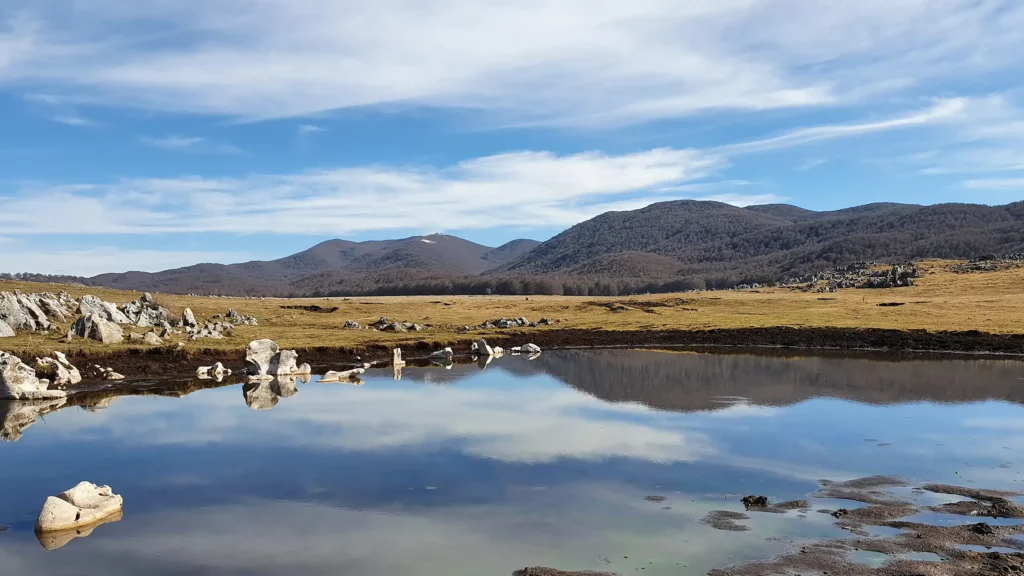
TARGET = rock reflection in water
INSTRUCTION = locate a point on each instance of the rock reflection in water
(59, 539)
(264, 394)
(17, 415)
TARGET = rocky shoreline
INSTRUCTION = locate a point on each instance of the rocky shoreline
(150, 361)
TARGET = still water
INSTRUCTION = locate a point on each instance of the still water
(480, 472)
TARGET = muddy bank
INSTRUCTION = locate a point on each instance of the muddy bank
(163, 360)
(916, 550)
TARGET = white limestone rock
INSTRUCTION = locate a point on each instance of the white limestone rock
(529, 349)
(5, 330)
(217, 371)
(82, 505)
(98, 328)
(151, 339)
(30, 308)
(259, 355)
(285, 363)
(106, 310)
(13, 315)
(19, 381)
(188, 319)
(481, 348)
(58, 370)
(346, 375)
(446, 353)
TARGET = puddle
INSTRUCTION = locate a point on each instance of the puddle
(877, 559)
(985, 549)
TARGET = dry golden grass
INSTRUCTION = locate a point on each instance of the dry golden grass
(941, 300)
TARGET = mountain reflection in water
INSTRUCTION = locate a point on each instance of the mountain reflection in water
(457, 470)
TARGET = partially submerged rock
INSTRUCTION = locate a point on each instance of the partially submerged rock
(263, 358)
(527, 349)
(446, 353)
(345, 375)
(96, 327)
(481, 348)
(60, 538)
(97, 372)
(82, 505)
(19, 381)
(216, 371)
(58, 370)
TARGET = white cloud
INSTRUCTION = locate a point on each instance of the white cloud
(73, 120)
(995, 183)
(190, 144)
(535, 61)
(942, 111)
(93, 261)
(528, 188)
(305, 129)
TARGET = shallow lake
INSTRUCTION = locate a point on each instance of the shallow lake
(476, 472)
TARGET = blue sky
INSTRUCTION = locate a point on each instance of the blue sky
(148, 135)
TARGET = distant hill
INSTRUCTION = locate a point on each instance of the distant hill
(721, 245)
(666, 246)
(327, 265)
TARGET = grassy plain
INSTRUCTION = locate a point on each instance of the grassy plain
(941, 301)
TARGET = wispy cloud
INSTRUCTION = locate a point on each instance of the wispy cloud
(306, 129)
(941, 111)
(73, 120)
(190, 144)
(533, 188)
(583, 62)
(811, 164)
(995, 184)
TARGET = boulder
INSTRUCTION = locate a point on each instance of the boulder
(51, 306)
(240, 319)
(304, 369)
(259, 355)
(58, 370)
(446, 353)
(285, 363)
(151, 339)
(135, 338)
(82, 505)
(106, 310)
(342, 376)
(5, 330)
(352, 325)
(188, 319)
(30, 308)
(12, 314)
(480, 347)
(96, 327)
(19, 381)
(216, 371)
(529, 349)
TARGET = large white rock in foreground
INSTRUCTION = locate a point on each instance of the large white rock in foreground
(82, 505)
(19, 381)
(264, 358)
(5, 330)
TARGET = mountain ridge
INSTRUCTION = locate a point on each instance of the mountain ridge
(674, 245)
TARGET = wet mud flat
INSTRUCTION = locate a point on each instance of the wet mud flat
(166, 361)
(972, 548)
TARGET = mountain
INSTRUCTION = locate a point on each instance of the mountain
(719, 245)
(326, 265)
(666, 246)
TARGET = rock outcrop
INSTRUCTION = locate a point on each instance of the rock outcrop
(82, 505)
(5, 330)
(145, 312)
(58, 370)
(217, 371)
(13, 315)
(240, 319)
(352, 325)
(446, 353)
(106, 310)
(96, 327)
(18, 381)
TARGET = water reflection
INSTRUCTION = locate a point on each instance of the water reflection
(482, 472)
